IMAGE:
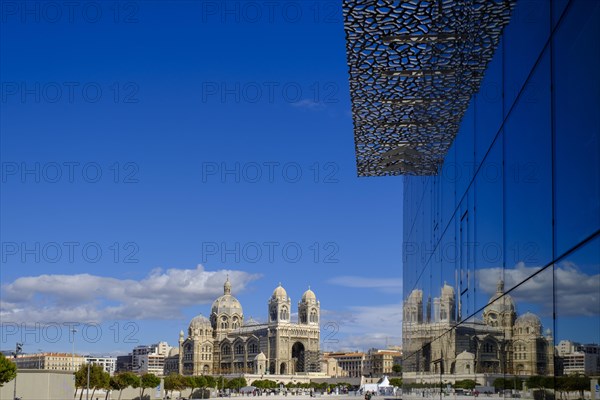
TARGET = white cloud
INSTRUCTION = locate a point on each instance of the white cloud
(91, 298)
(387, 285)
(362, 327)
(577, 293)
(309, 104)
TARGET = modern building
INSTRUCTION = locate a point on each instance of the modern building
(109, 364)
(124, 363)
(150, 358)
(226, 343)
(579, 359)
(488, 109)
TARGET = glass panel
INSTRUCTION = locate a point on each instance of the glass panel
(527, 174)
(525, 38)
(449, 177)
(488, 106)
(577, 122)
(489, 218)
(465, 151)
(577, 280)
(558, 8)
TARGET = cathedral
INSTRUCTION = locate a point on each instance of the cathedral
(501, 343)
(226, 343)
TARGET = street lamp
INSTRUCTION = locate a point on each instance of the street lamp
(18, 350)
(140, 367)
(73, 331)
(87, 392)
(39, 359)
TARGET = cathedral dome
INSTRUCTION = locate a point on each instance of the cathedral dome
(528, 319)
(309, 295)
(279, 292)
(226, 304)
(500, 302)
(199, 321)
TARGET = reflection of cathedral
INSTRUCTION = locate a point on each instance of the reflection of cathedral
(501, 343)
(226, 343)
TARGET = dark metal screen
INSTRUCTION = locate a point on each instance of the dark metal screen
(414, 66)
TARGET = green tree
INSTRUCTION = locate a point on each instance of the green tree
(123, 381)
(499, 384)
(98, 378)
(237, 383)
(8, 370)
(194, 382)
(211, 382)
(148, 381)
(265, 384)
(540, 384)
(174, 382)
(578, 383)
(397, 369)
(396, 382)
(468, 384)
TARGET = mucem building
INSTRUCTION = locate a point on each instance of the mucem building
(490, 112)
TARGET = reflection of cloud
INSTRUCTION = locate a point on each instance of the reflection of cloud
(577, 294)
(388, 285)
(366, 342)
(85, 297)
(309, 104)
(362, 327)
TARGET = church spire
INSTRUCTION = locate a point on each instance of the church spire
(500, 287)
(227, 286)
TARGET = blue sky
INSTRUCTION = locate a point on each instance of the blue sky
(150, 148)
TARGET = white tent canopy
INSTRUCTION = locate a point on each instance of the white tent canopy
(384, 382)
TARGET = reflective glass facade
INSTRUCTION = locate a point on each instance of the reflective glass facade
(502, 248)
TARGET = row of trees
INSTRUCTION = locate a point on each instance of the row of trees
(99, 379)
(567, 383)
(324, 386)
(176, 382)
(561, 384)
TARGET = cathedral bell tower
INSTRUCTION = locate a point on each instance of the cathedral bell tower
(279, 306)
(309, 309)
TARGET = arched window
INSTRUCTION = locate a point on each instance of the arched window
(284, 314)
(226, 350)
(224, 323)
(273, 313)
(313, 316)
(303, 316)
(239, 349)
(253, 348)
(235, 323)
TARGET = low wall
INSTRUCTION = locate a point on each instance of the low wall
(40, 385)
